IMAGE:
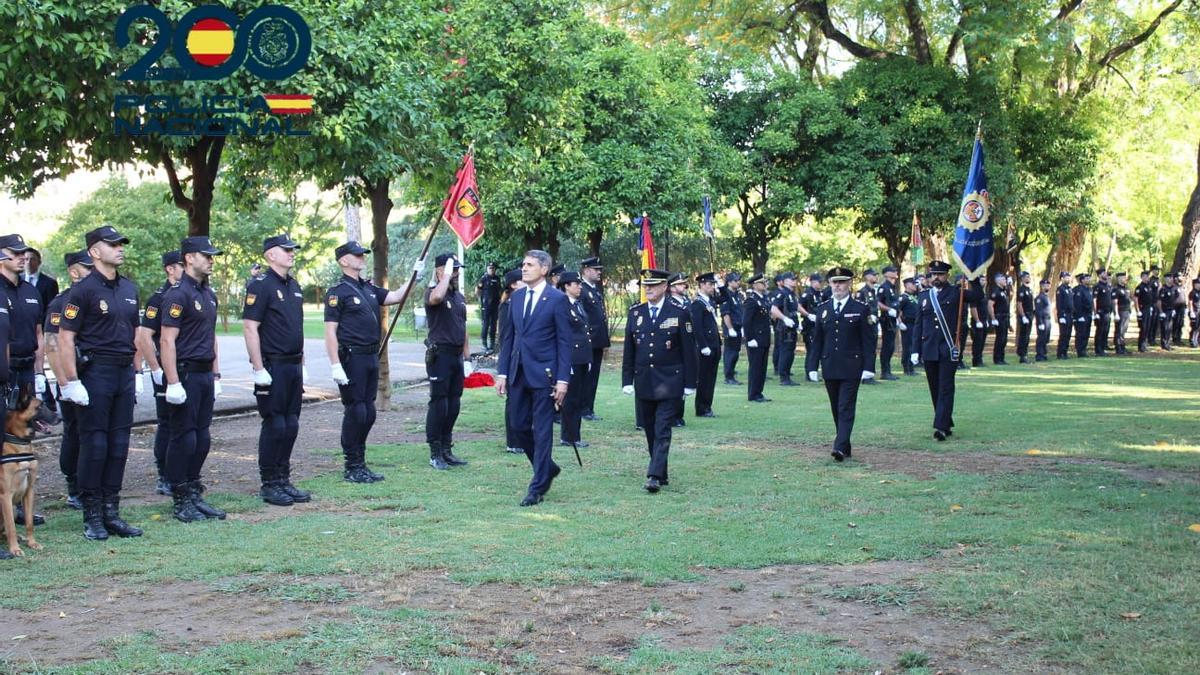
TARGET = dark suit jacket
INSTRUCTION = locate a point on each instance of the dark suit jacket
(844, 344)
(47, 287)
(708, 329)
(928, 340)
(539, 347)
(660, 356)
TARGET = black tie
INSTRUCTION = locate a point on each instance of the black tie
(528, 303)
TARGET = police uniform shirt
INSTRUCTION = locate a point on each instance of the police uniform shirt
(54, 313)
(1194, 299)
(354, 304)
(826, 294)
(5, 339)
(1121, 295)
(152, 314)
(999, 298)
(25, 315)
(1084, 302)
(277, 304)
(1063, 301)
(809, 300)
(1166, 295)
(844, 342)
(192, 308)
(704, 321)
(103, 314)
(447, 320)
(867, 296)
(1104, 297)
(1025, 300)
(886, 296)
(489, 290)
(592, 300)
(1043, 308)
(786, 302)
(908, 307)
(1145, 295)
(732, 307)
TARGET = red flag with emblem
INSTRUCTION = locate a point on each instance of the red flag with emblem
(461, 211)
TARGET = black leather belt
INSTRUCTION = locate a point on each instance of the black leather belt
(20, 362)
(360, 349)
(290, 359)
(196, 366)
(110, 360)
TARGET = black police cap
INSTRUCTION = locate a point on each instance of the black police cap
(678, 278)
(593, 262)
(198, 245)
(511, 277)
(756, 279)
(732, 276)
(107, 234)
(890, 268)
(282, 241)
(172, 258)
(13, 242)
(910, 280)
(78, 258)
(567, 278)
(1064, 275)
(652, 277)
(839, 274)
(816, 276)
(707, 278)
(939, 267)
(443, 258)
(350, 248)
(869, 272)
(558, 269)
(787, 275)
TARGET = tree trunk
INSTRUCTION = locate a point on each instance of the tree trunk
(533, 240)
(897, 245)
(1066, 251)
(594, 238)
(381, 208)
(1187, 253)
(937, 247)
(204, 160)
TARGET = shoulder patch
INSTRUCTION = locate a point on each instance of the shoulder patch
(176, 310)
(333, 299)
(250, 299)
(55, 318)
(70, 311)
(151, 311)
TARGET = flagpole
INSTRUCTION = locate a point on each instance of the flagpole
(412, 281)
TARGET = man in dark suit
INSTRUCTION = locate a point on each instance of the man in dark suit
(708, 342)
(843, 345)
(756, 328)
(535, 367)
(592, 298)
(937, 342)
(659, 367)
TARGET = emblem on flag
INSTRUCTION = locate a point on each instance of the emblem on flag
(461, 210)
(468, 204)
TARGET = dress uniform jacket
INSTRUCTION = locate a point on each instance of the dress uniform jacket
(707, 327)
(756, 319)
(659, 359)
(928, 340)
(843, 343)
(592, 299)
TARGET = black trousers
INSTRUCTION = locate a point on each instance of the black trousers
(587, 404)
(1177, 323)
(1064, 338)
(940, 376)
(1083, 332)
(887, 346)
(1024, 328)
(279, 407)
(1000, 341)
(1043, 340)
(706, 382)
(572, 406)
(445, 394)
(1194, 337)
(68, 447)
(1119, 336)
(660, 417)
(786, 345)
(489, 315)
(162, 429)
(906, 351)
(1155, 317)
(978, 344)
(730, 351)
(1165, 327)
(190, 420)
(1103, 326)
(775, 352)
(104, 429)
(757, 377)
(358, 403)
(533, 426)
(843, 401)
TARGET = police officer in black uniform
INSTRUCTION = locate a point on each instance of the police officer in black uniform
(908, 309)
(1166, 310)
(1064, 305)
(98, 324)
(844, 348)
(1084, 309)
(1194, 312)
(678, 294)
(147, 344)
(785, 312)
(1155, 312)
(772, 296)
(756, 328)
(1103, 296)
(591, 272)
(936, 342)
(731, 323)
(888, 298)
(188, 350)
(868, 295)
(1180, 309)
(1144, 299)
(1041, 312)
(659, 368)
(979, 322)
(999, 301)
(707, 329)
(488, 289)
(26, 313)
(447, 360)
(581, 356)
(78, 265)
(1121, 297)
(809, 299)
(273, 321)
(1025, 316)
(353, 330)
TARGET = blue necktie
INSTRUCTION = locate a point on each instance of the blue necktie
(653, 314)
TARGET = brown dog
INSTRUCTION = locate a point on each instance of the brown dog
(18, 466)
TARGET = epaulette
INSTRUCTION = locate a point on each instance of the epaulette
(635, 306)
(260, 277)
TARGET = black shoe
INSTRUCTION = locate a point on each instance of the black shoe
(733, 382)
(185, 510)
(889, 377)
(760, 399)
(75, 502)
(706, 414)
(578, 444)
(652, 485)
(939, 434)
(272, 493)
(837, 455)
(1023, 360)
(1001, 362)
(298, 496)
(437, 459)
(679, 423)
(163, 487)
(93, 520)
(870, 381)
(202, 506)
(788, 383)
(847, 452)
(591, 417)
(531, 499)
(19, 515)
(515, 451)
(113, 521)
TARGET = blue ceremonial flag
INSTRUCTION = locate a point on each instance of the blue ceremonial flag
(973, 237)
(707, 205)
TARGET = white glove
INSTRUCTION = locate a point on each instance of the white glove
(732, 333)
(339, 374)
(39, 384)
(262, 378)
(76, 393)
(175, 394)
(688, 392)
(1062, 320)
(1025, 320)
(902, 326)
(216, 389)
(753, 344)
(979, 324)
(868, 375)
(1192, 315)
(1082, 319)
(1041, 326)
(303, 374)
(811, 317)
(787, 321)
(995, 322)
(156, 376)
(627, 390)
(139, 384)
(468, 368)
(419, 266)
(892, 313)
(914, 358)
(812, 376)
(706, 351)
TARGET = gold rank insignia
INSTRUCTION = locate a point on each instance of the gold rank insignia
(55, 318)
(333, 301)
(671, 323)
(71, 311)
(104, 306)
(151, 311)
(250, 298)
(279, 293)
(176, 311)
(198, 308)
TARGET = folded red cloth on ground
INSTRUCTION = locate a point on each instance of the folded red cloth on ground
(476, 380)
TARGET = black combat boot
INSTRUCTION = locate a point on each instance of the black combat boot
(163, 487)
(93, 519)
(436, 457)
(185, 510)
(448, 454)
(113, 521)
(356, 468)
(272, 489)
(208, 510)
(299, 496)
(73, 500)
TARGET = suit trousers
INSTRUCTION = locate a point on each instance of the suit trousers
(659, 417)
(940, 375)
(587, 403)
(731, 350)
(757, 377)
(978, 344)
(843, 401)
(533, 428)
(706, 382)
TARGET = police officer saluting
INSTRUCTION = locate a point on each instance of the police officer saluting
(659, 369)
(99, 320)
(447, 360)
(756, 326)
(147, 344)
(353, 330)
(188, 349)
(273, 320)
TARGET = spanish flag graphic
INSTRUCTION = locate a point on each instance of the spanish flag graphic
(210, 42)
(289, 104)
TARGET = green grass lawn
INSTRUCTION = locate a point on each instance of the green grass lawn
(1052, 557)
